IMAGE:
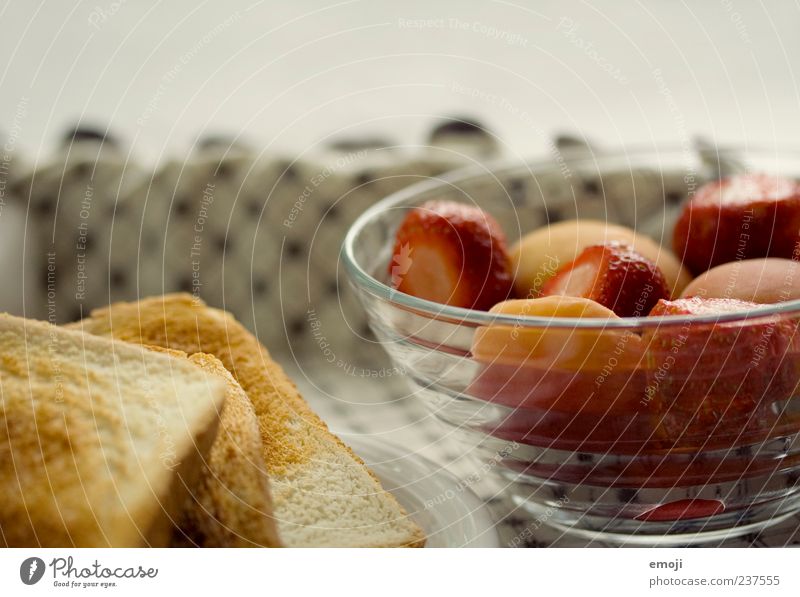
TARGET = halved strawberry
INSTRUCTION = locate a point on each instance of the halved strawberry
(451, 253)
(741, 217)
(719, 379)
(683, 510)
(614, 275)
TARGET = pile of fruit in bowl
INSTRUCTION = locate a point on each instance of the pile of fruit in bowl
(641, 392)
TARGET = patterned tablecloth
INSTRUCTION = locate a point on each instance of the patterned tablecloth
(260, 235)
(354, 406)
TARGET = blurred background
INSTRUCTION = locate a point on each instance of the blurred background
(223, 148)
(288, 75)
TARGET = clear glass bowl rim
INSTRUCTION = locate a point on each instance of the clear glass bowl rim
(460, 315)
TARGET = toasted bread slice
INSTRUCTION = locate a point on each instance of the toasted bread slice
(232, 506)
(323, 494)
(100, 440)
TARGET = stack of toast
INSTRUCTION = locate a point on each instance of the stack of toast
(165, 422)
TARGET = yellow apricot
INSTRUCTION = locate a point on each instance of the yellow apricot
(573, 348)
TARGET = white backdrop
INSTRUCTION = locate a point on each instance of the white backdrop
(286, 75)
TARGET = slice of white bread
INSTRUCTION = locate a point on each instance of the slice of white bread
(232, 505)
(323, 494)
(100, 440)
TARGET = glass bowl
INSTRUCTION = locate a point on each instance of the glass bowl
(652, 430)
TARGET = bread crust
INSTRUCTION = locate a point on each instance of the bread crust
(293, 437)
(233, 504)
(99, 439)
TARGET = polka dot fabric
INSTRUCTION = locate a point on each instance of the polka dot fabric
(260, 235)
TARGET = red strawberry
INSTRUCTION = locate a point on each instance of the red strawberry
(742, 217)
(451, 253)
(614, 275)
(719, 379)
(683, 510)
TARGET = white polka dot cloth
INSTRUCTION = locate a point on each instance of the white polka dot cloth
(259, 235)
